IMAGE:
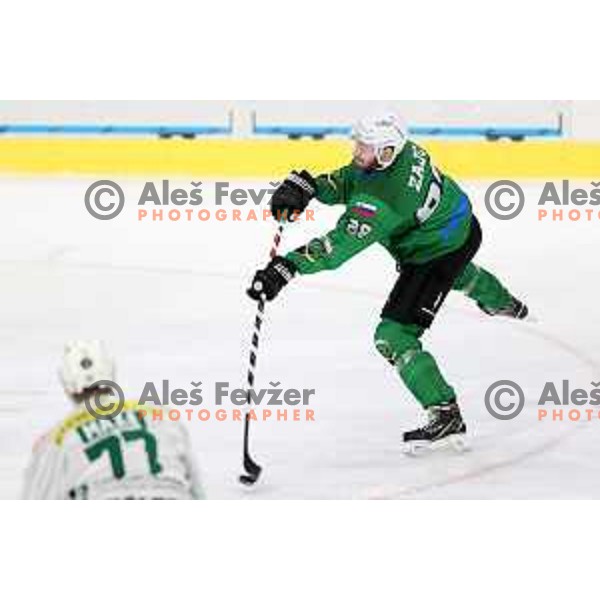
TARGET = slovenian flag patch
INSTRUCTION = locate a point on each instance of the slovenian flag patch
(364, 209)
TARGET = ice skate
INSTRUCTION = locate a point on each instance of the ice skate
(444, 427)
(515, 310)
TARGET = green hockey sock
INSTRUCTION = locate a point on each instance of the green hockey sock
(400, 345)
(483, 287)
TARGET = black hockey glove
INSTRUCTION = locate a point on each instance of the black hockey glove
(272, 279)
(293, 195)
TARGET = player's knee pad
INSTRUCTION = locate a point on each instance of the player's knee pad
(398, 343)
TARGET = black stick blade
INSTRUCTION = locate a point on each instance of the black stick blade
(253, 471)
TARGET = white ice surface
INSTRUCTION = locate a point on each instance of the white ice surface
(169, 300)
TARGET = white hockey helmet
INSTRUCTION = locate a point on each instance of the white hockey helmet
(385, 133)
(85, 363)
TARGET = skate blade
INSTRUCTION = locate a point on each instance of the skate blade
(457, 442)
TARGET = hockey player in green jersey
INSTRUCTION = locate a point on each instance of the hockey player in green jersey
(395, 196)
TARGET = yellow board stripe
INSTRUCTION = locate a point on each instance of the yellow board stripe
(271, 159)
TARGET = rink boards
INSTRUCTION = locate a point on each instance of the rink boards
(255, 159)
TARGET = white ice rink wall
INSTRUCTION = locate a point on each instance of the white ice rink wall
(579, 119)
(258, 140)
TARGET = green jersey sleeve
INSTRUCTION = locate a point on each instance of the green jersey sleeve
(333, 188)
(367, 220)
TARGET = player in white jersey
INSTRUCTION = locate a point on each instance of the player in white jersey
(98, 454)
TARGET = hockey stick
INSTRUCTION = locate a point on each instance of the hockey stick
(252, 469)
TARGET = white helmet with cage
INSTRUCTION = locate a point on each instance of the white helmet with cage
(85, 363)
(385, 133)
